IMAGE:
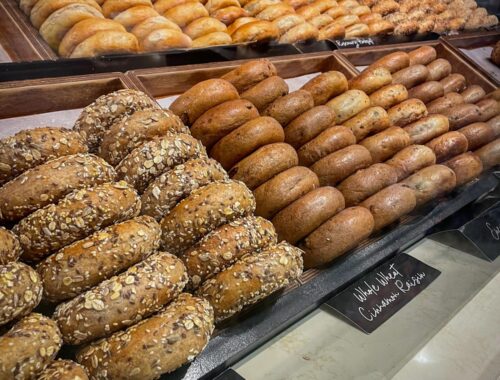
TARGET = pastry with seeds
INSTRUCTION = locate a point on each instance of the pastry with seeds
(252, 279)
(49, 182)
(20, 291)
(122, 300)
(163, 194)
(64, 370)
(203, 211)
(155, 157)
(225, 245)
(181, 331)
(32, 147)
(75, 217)
(107, 110)
(10, 249)
(133, 130)
(28, 347)
(85, 263)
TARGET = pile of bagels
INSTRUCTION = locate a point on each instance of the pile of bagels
(87, 28)
(137, 238)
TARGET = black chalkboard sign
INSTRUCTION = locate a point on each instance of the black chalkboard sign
(355, 43)
(378, 295)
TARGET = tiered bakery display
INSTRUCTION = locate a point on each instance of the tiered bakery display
(144, 227)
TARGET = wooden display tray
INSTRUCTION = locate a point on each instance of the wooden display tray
(357, 59)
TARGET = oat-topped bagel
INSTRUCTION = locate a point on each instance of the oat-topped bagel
(251, 279)
(100, 115)
(10, 249)
(180, 333)
(153, 158)
(49, 182)
(122, 300)
(73, 269)
(133, 130)
(75, 217)
(28, 347)
(204, 210)
(225, 245)
(171, 187)
(20, 291)
(64, 370)
(32, 147)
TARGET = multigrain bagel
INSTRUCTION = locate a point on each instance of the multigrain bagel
(407, 112)
(313, 209)
(201, 97)
(32, 147)
(326, 86)
(369, 121)
(44, 8)
(371, 79)
(249, 74)
(308, 125)
(10, 249)
(411, 159)
(70, 271)
(264, 164)
(348, 104)
(149, 160)
(53, 227)
(265, 92)
(246, 139)
(288, 107)
(427, 128)
(163, 194)
(204, 210)
(61, 369)
(225, 245)
(165, 38)
(388, 96)
(49, 182)
(385, 144)
(283, 189)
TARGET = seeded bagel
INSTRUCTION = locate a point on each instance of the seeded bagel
(64, 370)
(10, 249)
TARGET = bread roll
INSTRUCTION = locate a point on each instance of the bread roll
(328, 141)
(211, 206)
(473, 94)
(72, 270)
(427, 128)
(171, 187)
(49, 182)
(112, 8)
(246, 139)
(229, 15)
(287, 22)
(489, 154)
(135, 15)
(53, 227)
(385, 144)
(427, 91)
(106, 42)
(32, 147)
(201, 97)
(21, 291)
(183, 327)
(270, 270)
(368, 121)
(220, 120)
(28, 347)
(431, 183)
(453, 83)
(388, 96)
(10, 249)
(393, 62)
(264, 164)
(390, 204)
(225, 245)
(151, 159)
(462, 115)
(149, 25)
(283, 189)
(407, 112)
(249, 74)
(99, 116)
(185, 13)
(341, 164)
(164, 39)
(255, 31)
(411, 76)
(325, 86)
(348, 104)
(411, 159)
(422, 56)
(466, 167)
(489, 108)
(265, 92)
(442, 104)
(288, 107)
(203, 26)
(64, 369)
(84, 29)
(301, 32)
(310, 124)
(42, 9)
(350, 227)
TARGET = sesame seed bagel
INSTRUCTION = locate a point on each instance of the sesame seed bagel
(133, 130)
(106, 110)
(75, 217)
(28, 347)
(204, 210)
(49, 182)
(163, 194)
(180, 333)
(20, 291)
(10, 249)
(153, 158)
(64, 370)
(251, 279)
(225, 245)
(85, 263)
(32, 147)
(122, 300)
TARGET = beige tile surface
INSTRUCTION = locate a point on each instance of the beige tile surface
(322, 346)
